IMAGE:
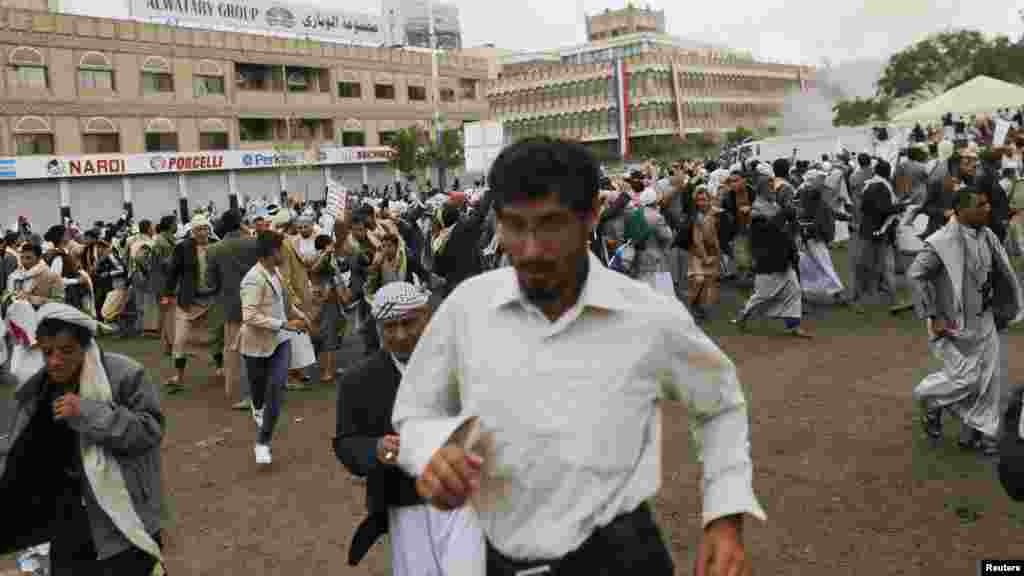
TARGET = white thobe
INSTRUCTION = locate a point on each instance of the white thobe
(426, 541)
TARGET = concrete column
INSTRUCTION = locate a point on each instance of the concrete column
(233, 191)
(284, 188)
(65, 198)
(366, 174)
(183, 199)
(126, 186)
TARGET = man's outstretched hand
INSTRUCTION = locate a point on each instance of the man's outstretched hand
(721, 551)
(450, 478)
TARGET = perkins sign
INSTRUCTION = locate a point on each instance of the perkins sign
(269, 16)
(36, 167)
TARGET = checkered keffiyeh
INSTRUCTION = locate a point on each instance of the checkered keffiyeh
(397, 299)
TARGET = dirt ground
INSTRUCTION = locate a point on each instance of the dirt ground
(849, 483)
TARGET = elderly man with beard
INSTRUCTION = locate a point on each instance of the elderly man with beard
(81, 468)
(425, 541)
(534, 393)
(189, 279)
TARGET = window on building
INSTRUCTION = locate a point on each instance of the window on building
(467, 88)
(447, 95)
(302, 79)
(27, 69)
(255, 129)
(259, 77)
(95, 72)
(101, 144)
(157, 82)
(417, 93)
(213, 141)
(353, 139)
(384, 91)
(386, 137)
(31, 144)
(350, 90)
(34, 77)
(96, 79)
(208, 86)
(161, 142)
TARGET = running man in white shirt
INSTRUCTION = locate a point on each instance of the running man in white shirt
(533, 394)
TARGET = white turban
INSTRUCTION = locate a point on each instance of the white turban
(397, 300)
(765, 170)
(281, 218)
(68, 314)
(648, 197)
(198, 220)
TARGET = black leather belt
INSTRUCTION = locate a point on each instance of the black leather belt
(631, 540)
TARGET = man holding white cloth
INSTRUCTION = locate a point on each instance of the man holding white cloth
(533, 394)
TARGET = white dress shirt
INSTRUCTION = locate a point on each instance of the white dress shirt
(568, 408)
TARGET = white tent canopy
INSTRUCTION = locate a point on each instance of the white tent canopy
(979, 95)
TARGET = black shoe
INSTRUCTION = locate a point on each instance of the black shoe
(932, 422)
(989, 446)
(969, 438)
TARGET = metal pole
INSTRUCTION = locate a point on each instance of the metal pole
(435, 76)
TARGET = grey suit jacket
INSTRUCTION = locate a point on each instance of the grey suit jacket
(230, 260)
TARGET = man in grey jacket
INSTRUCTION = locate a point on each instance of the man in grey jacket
(81, 466)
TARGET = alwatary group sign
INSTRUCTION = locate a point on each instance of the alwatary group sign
(269, 16)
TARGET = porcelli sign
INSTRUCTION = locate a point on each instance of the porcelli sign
(267, 15)
(40, 167)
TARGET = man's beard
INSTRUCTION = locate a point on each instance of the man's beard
(544, 295)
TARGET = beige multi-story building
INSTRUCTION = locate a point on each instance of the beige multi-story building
(77, 85)
(82, 85)
(667, 86)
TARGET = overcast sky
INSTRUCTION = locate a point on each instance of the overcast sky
(787, 30)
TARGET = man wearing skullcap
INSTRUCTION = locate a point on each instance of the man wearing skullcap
(193, 291)
(425, 541)
(81, 468)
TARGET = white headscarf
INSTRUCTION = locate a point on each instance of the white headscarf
(100, 464)
(648, 197)
(397, 299)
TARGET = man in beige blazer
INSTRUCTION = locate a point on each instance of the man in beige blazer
(269, 319)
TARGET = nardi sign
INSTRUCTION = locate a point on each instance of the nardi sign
(43, 167)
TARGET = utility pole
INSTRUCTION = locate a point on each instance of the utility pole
(435, 78)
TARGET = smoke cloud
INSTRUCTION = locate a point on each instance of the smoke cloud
(811, 111)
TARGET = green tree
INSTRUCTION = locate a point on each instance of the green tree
(447, 152)
(930, 67)
(860, 111)
(738, 135)
(409, 155)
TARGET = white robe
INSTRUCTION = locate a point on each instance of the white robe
(818, 276)
(426, 541)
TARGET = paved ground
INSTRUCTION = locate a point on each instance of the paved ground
(849, 484)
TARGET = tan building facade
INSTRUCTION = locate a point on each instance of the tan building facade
(667, 91)
(81, 85)
(629, 20)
